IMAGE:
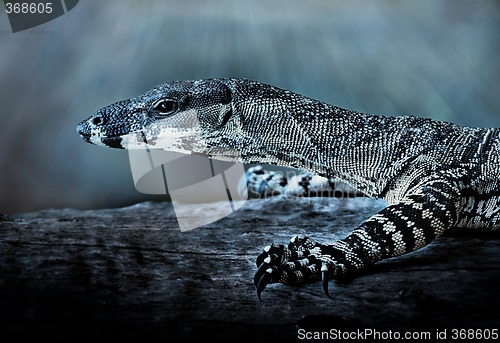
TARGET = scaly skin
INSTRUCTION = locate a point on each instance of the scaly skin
(434, 175)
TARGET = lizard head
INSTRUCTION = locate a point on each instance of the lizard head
(180, 116)
(226, 119)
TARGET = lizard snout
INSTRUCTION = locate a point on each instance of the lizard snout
(83, 130)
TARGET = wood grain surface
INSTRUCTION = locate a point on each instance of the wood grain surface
(130, 274)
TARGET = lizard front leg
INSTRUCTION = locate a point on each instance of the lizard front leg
(261, 183)
(396, 230)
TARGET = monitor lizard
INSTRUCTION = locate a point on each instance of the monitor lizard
(433, 174)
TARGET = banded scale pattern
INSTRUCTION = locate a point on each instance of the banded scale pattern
(434, 175)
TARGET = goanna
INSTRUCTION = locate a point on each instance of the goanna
(433, 175)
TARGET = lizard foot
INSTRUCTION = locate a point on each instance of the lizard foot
(302, 261)
(263, 183)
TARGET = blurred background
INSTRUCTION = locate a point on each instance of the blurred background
(436, 59)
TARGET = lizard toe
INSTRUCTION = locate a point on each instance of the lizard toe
(273, 251)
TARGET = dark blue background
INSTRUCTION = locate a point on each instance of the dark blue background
(434, 59)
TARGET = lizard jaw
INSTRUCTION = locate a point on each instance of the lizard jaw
(95, 137)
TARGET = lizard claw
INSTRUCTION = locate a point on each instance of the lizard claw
(264, 281)
(261, 271)
(324, 280)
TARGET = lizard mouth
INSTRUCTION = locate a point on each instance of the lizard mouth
(86, 137)
(112, 142)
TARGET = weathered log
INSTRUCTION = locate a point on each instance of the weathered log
(130, 273)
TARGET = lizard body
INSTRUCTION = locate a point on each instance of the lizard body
(434, 175)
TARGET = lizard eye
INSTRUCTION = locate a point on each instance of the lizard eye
(165, 106)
